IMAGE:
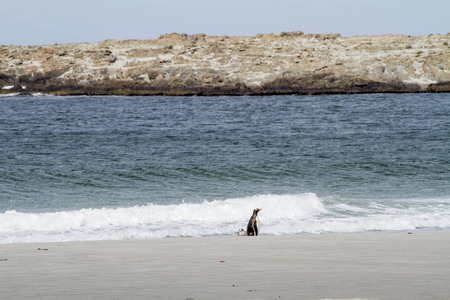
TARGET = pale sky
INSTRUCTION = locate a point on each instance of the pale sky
(38, 22)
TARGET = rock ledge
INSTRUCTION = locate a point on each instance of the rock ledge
(266, 64)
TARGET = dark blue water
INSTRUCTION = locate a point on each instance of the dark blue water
(93, 168)
(68, 153)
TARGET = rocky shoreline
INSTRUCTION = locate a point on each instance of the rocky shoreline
(265, 64)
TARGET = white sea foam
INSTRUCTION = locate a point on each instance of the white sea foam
(8, 95)
(280, 214)
(33, 94)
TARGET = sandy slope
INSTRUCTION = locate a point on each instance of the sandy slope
(329, 266)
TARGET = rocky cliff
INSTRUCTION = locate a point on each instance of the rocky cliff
(180, 64)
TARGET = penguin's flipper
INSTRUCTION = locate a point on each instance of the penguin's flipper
(250, 227)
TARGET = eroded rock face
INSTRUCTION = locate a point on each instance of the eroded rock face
(180, 64)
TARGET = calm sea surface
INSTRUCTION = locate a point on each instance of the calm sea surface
(87, 168)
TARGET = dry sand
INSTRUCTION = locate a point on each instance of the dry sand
(330, 266)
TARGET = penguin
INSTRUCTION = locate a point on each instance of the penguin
(253, 223)
(242, 232)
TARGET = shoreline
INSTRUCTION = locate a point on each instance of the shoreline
(213, 95)
(369, 265)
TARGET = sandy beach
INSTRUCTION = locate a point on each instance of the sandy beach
(397, 265)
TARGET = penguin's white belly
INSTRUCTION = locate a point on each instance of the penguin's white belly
(257, 223)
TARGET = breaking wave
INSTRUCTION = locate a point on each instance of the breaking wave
(280, 214)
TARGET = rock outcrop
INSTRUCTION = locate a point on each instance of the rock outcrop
(180, 64)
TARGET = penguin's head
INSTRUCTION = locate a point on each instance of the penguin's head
(255, 211)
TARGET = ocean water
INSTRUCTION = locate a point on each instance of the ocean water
(96, 168)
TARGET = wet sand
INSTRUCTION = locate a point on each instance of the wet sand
(377, 265)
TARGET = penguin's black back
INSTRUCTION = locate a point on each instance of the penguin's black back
(251, 227)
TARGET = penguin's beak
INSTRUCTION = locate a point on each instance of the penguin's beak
(258, 209)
